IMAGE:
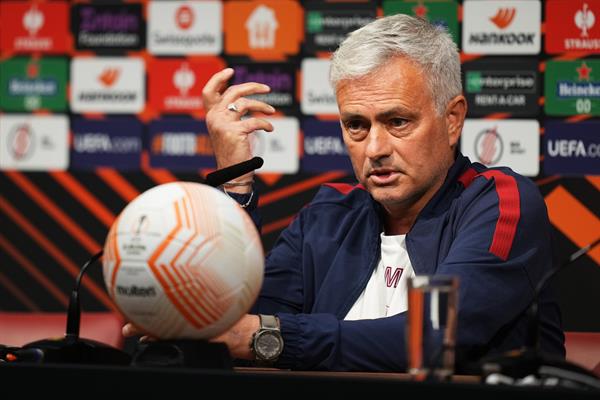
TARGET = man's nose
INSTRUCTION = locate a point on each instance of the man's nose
(378, 143)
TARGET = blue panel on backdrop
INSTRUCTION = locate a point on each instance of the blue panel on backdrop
(180, 144)
(572, 149)
(324, 148)
(111, 142)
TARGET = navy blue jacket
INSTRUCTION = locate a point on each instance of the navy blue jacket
(489, 227)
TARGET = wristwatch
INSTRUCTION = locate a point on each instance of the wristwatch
(267, 343)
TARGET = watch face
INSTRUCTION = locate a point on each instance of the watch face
(268, 345)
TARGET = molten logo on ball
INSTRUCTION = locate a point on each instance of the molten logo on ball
(183, 260)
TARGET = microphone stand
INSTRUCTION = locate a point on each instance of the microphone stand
(71, 348)
(530, 360)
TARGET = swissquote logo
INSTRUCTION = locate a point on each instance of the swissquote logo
(572, 26)
(511, 143)
(107, 85)
(501, 27)
(317, 94)
(179, 27)
(572, 87)
(34, 143)
(34, 26)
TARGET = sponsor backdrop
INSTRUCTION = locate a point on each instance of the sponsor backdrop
(100, 100)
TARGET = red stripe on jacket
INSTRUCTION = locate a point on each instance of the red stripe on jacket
(509, 209)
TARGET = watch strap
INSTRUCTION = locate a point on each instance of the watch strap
(268, 322)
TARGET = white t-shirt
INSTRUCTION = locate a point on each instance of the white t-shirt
(386, 291)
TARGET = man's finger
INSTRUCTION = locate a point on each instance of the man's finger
(129, 330)
(244, 89)
(245, 106)
(255, 124)
(216, 86)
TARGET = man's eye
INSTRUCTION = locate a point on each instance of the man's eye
(397, 122)
(354, 126)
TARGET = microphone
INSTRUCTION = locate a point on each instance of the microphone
(72, 348)
(516, 365)
(223, 175)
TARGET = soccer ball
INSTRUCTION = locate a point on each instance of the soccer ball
(183, 260)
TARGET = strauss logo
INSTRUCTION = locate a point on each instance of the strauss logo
(584, 19)
(33, 20)
(184, 79)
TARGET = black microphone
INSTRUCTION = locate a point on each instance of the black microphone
(530, 360)
(72, 348)
(223, 175)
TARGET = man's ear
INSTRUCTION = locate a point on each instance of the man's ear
(456, 112)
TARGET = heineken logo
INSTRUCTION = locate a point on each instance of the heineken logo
(572, 88)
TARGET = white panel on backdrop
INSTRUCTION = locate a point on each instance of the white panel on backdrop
(502, 27)
(317, 94)
(107, 85)
(280, 148)
(185, 27)
(34, 143)
(503, 143)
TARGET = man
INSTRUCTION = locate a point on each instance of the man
(420, 206)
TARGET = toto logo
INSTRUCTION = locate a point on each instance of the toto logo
(21, 141)
(489, 146)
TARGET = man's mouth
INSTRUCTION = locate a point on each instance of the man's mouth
(382, 176)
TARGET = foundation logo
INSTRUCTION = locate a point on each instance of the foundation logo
(180, 27)
(572, 26)
(34, 143)
(264, 30)
(572, 87)
(99, 26)
(280, 77)
(510, 143)
(502, 86)
(28, 85)
(34, 27)
(443, 14)
(107, 85)
(492, 28)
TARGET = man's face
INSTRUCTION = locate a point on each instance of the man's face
(400, 147)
